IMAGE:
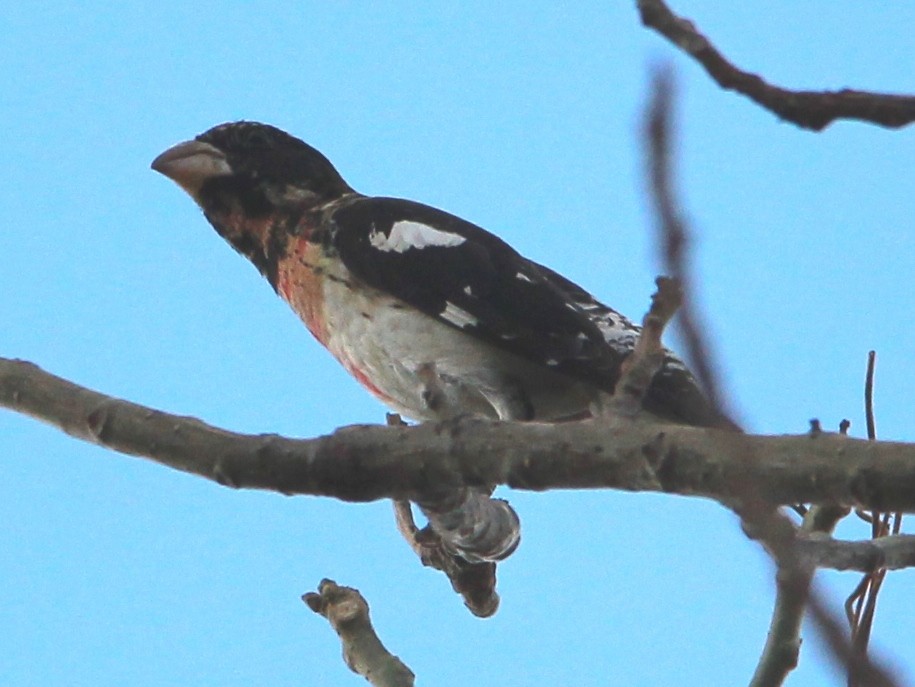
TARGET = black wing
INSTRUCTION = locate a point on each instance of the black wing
(470, 279)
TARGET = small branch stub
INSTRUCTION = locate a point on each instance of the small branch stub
(348, 613)
(648, 356)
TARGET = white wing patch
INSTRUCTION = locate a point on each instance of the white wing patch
(457, 316)
(406, 235)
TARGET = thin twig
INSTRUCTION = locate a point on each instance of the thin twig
(861, 605)
(866, 671)
(854, 602)
(869, 395)
(814, 110)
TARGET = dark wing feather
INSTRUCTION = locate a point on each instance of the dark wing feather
(510, 302)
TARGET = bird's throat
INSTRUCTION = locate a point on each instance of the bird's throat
(261, 240)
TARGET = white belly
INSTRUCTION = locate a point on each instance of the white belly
(427, 370)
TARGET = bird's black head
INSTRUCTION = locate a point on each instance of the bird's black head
(254, 183)
(260, 153)
(255, 166)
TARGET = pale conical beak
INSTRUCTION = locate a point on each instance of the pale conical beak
(191, 163)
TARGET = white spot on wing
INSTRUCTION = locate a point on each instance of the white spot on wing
(468, 291)
(457, 316)
(523, 277)
(406, 235)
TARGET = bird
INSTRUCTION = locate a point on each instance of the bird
(435, 316)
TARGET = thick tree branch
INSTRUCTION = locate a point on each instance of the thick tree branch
(364, 463)
(348, 613)
(813, 110)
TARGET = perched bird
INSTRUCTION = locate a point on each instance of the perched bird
(435, 316)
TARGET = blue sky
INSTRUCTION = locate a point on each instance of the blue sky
(523, 118)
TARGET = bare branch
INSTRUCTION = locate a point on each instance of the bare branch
(894, 552)
(348, 613)
(783, 642)
(760, 519)
(674, 236)
(813, 110)
(365, 463)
